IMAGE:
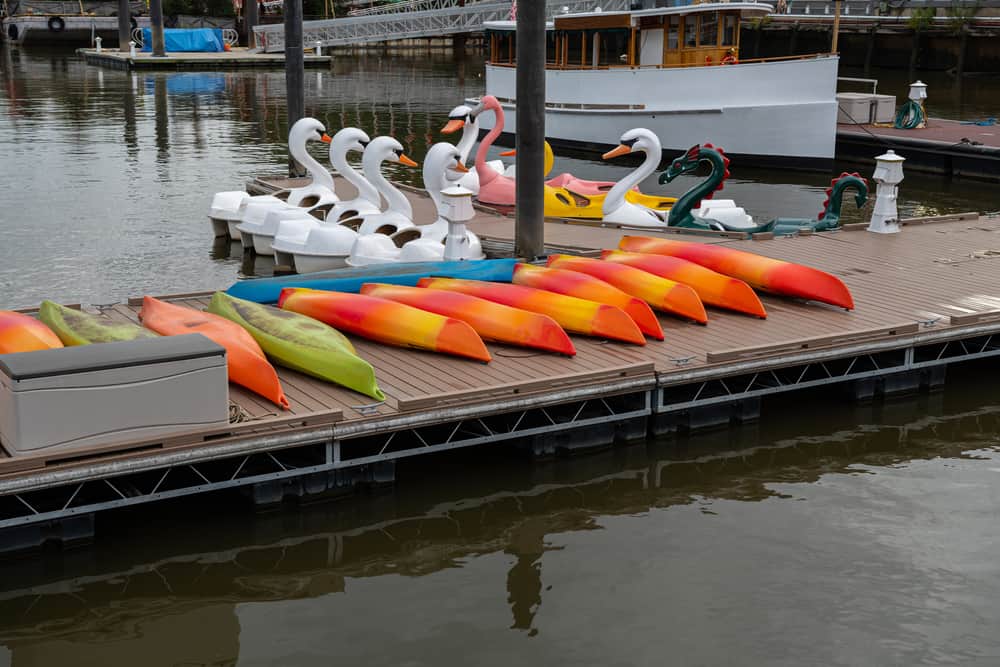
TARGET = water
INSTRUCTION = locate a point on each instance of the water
(826, 535)
(107, 176)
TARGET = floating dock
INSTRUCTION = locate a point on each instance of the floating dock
(239, 57)
(925, 298)
(949, 147)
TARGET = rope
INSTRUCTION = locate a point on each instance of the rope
(237, 415)
(910, 116)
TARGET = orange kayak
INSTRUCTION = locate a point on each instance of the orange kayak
(584, 286)
(580, 316)
(715, 289)
(492, 321)
(23, 333)
(661, 293)
(763, 273)
(386, 321)
(248, 367)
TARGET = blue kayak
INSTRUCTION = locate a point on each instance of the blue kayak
(266, 290)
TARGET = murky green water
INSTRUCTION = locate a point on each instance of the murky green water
(825, 535)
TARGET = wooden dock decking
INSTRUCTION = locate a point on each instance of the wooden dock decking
(935, 285)
(944, 147)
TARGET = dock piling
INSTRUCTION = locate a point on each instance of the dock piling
(529, 237)
(124, 26)
(251, 17)
(294, 71)
(156, 28)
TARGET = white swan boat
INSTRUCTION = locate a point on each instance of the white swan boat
(615, 209)
(398, 214)
(677, 71)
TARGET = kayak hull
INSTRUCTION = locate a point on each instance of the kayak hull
(267, 290)
(247, 365)
(23, 333)
(387, 322)
(492, 321)
(575, 315)
(75, 327)
(763, 273)
(663, 294)
(715, 289)
(584, 286)
(300, 343)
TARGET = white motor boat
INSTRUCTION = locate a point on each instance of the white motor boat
(678, 71)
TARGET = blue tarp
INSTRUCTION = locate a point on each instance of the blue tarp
(205, 40)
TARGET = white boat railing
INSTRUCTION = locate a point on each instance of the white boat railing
(445, 17)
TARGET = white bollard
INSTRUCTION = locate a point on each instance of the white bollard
(97, 44)
(458, 204)
(888, 175)
(131, 49)
(319, 48)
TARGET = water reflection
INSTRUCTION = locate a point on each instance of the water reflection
(133, 596)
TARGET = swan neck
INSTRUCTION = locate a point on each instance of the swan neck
(616, 196)
(319, 174)
(396, 200)
(365, 189)
(470, 132)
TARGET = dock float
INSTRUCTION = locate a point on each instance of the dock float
(949, 147)
(925, 298)
(239, 57)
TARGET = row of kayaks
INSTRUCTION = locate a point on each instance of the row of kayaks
(447, 308)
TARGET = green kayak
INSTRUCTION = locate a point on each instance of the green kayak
(300, 343)
(75, 327)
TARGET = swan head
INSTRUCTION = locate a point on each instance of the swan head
(442, 164)
(308, 129)
(638, 140)
(459, 118)
(387, 149)
(348, 139)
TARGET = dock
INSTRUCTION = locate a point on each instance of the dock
(925, 298)
(946, 147)
(239, 57)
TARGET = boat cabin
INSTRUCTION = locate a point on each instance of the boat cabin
(705, 33)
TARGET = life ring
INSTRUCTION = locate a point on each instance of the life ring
(12, 32)
(57, 24)
(729, 59)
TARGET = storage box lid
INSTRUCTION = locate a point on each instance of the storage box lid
(104, 356)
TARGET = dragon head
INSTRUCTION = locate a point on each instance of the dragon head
(683, 164)
(845, 180)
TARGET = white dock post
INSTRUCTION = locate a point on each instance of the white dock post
(319, 48)
(97, 44)
(888, 175)
(131, 49)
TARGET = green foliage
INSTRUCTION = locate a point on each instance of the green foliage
(960, 15)
(921, 18)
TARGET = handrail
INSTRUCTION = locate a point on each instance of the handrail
(549, 65)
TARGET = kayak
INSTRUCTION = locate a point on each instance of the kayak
(248, 367)
(23, 333)
(300, 343)
(715, 289)
(763, 273)
(575, 315)
(663, 294)
(387, 321)
(583, 286)
(492, 321)
(267, 290)
(75, 327)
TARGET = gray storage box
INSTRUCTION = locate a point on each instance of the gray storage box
(855, 108)
(74, 397)
(885, 108)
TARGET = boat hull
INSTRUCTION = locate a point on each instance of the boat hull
(763, 273)
(583, 286)
(387, 322)
(493, 321)
(715, 289)
(247, 365)
(23, 333)
(662, 294)
(781, 112)
(300, 343)
(75, 327)
(267, 290)
(579, 316)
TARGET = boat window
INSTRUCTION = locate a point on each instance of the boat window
(673, 32)
(613, 47)
(574, 48)
(690, 31)
(729, 27)
(709, 30)
(551, 51)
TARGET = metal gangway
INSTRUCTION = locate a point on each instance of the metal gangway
(414, 19)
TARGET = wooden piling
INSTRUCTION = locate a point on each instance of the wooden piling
(156, 27)
(529, 233)
(251, 18)
(294, 71)
(124, 26)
